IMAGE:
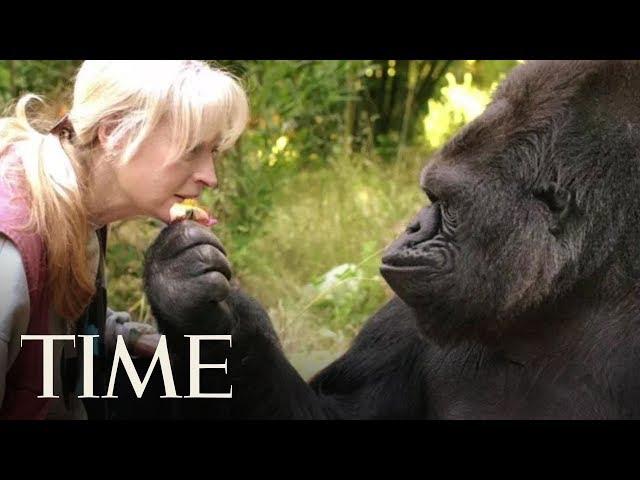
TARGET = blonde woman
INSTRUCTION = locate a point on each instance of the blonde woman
(139, 137)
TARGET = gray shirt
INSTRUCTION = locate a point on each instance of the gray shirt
(14, 321)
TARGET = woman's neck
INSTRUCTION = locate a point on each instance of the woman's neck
(105, 200)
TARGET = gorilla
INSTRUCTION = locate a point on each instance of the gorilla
(516, 287)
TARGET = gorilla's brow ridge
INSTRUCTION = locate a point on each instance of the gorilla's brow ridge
(445, 180)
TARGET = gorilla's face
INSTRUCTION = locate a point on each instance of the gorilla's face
(501, 232)
(480, 252)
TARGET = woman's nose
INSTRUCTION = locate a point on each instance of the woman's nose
(206, 174)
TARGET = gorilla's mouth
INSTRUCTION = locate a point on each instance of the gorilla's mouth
(419, 256)
(430, 255)
(408, 269)
(400, 277)
(424, 265)
(407, 281)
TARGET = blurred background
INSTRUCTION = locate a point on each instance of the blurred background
(324, 178)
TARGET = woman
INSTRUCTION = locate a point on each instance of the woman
(139, 137)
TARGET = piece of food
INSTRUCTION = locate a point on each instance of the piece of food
(188, 209)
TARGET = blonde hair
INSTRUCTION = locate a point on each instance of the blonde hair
(200, 103)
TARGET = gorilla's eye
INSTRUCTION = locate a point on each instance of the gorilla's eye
(431, 196)
(552, 195)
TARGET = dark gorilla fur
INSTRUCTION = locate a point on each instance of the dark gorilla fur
(516, 285)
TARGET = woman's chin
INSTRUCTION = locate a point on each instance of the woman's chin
(163, 213)
(160, 215)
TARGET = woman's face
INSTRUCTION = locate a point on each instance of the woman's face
(154, 182)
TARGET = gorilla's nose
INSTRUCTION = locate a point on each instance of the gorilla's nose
(413, 227)
(424, 227)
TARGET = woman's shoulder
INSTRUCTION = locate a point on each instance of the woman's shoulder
(14, 295)
(14, 298)
(15, 210)
(11, 263)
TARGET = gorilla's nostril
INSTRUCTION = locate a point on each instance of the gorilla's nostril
(413, 228)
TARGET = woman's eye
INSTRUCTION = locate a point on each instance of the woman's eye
(201, 149)
(193, 151)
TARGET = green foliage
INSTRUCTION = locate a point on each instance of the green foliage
(461, 102)
(128, 241)
(302, 101)
(52, 78)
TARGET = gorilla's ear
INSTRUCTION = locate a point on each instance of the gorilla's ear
(559, 200)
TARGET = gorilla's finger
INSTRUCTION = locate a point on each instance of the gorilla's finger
(179, 237)
(208, 258)
(218, 284)
(194, 233)
(215, 241)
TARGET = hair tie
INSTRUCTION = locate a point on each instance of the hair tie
(63, 128)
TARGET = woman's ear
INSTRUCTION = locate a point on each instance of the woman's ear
(105, 132)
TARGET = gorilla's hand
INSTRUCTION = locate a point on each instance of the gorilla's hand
(186, 279)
